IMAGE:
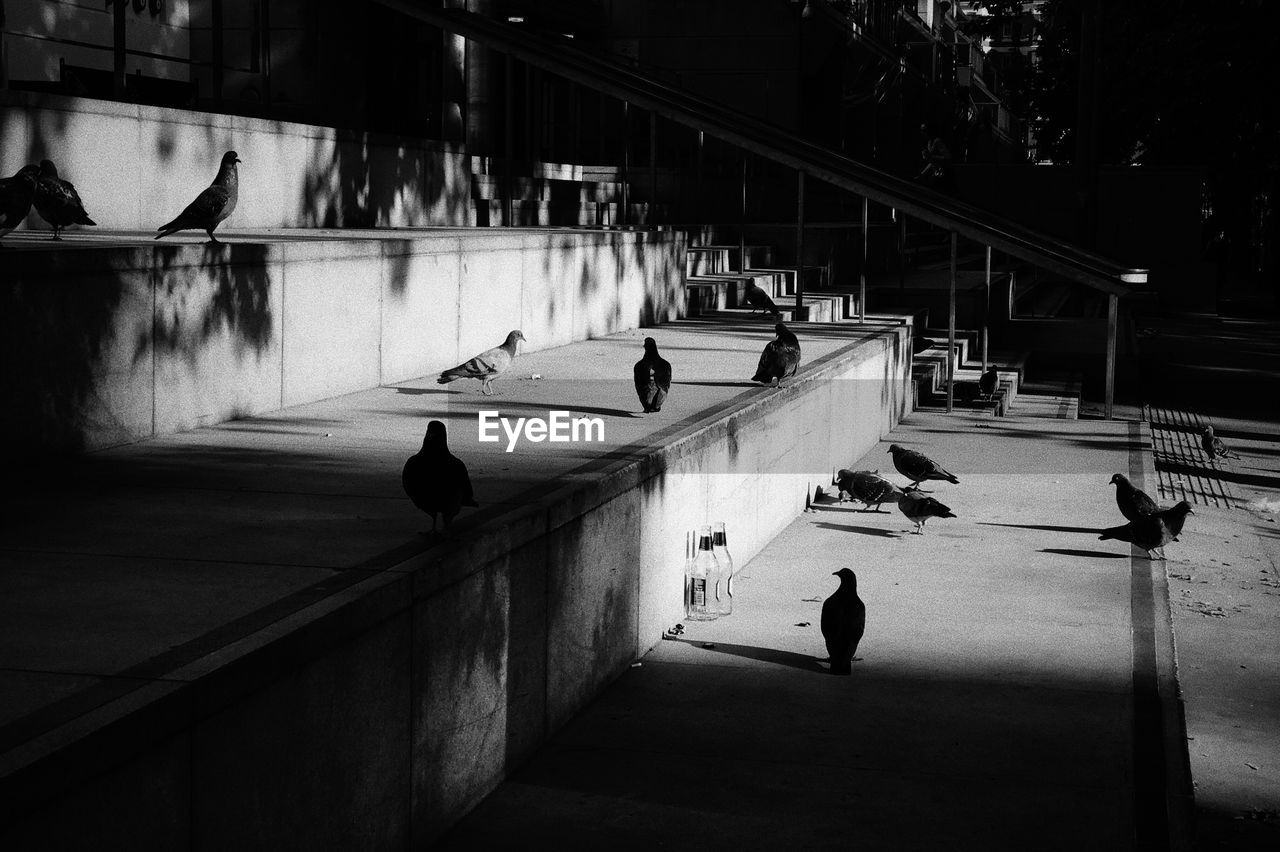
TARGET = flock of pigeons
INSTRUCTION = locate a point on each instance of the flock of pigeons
(58, 203)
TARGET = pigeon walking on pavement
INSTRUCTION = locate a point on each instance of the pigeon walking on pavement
(16, 195)
(1213, 446)
(435, 479)
(868, 487)
(988, 383)
(214, 204)
(844, 619)
(652, 377)
(1152, 532)
(918, 467)
(919, 508)
(780, 358)
(57, 201)
(1133, 502)
(759, 300)
(488, 365)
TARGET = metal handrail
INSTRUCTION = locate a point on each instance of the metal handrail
(562, 56)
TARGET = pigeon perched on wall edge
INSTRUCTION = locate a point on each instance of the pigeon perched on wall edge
(652, 377)
(435, 479)
(918, 467)
(1152, 532)
(844, 620)
(213, 205)
(57, 201)
(16, 196)
(1133, 502)
(488, 365)
(780, 358)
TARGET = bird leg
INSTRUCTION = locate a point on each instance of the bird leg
(213, 239)
(55, 234)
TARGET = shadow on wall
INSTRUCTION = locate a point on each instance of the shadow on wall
(362, 180)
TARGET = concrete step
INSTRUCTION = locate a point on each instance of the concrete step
(725, 258)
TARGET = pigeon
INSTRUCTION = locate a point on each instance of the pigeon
(919, 509)
(488, 365)
(779, 359)
(16, 194)
(435, 479)
(653, 377)
(57, 201)
(214, 204)
(1213, 446)
(918, 467)
(989, 381)
(868, 487)
(1152, 532)
(844, 618)
(759, 300)
(1133, 502)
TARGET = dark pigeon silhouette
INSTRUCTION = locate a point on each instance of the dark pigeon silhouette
(1213, 446)
(989, 382)
(57, 201)
(1133, 502)
(759, 300)
(919, 508)
(488, 365)
(918, 467)
(652, 377)
(1152, 532)
(780, 358)
(435, 479)
(214, 204)
(868, 487)
(844, 619)
(16, 195)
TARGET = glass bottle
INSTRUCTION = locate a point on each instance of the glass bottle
(700, 580)
(720, 550)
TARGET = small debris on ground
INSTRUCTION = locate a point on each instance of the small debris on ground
(708, 644)
(802, 624)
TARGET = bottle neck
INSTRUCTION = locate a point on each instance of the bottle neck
(719, 539)
(704, 543)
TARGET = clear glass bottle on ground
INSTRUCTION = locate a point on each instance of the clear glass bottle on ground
(700, 581)
(720, 550)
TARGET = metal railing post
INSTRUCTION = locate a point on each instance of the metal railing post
(986, 312)
(1113, 309)
(951, 330)
(742, 222)
(799, 247)
(862, 269)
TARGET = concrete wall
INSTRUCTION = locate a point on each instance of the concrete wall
(106, 346)
(136, 167)
(377, 717)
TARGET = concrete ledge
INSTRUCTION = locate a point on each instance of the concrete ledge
(382, 711)
(110, 343)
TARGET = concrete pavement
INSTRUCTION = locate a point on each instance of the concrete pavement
(999, 703)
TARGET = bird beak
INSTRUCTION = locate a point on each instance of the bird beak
(835, 573)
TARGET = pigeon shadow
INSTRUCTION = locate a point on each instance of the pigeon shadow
(573, 408)
(719, 384)
(422, 391)
(876, 531)
(1045, 527)
(804, 662)
(1090, 554)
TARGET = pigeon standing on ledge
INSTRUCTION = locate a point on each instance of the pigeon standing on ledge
(57, 201)
(1152, 532)
(867, 487)
(989, 381)
(1133, 502)
(652, 377)
(1213, 446)
(759, 300)
(435, 479)
(211, 206)
(780, 358)
(919, 508)
(486, 366)
(918, 467)
(16, 195)
(844, 620)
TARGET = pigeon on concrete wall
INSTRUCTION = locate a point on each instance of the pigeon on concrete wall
(868, 487)
(1213, 446)
(844, 619)
(759, 300)
(57, 201)
(780, 358)
(486, 366)
(919, 508)
(16, 195)
(989, 381)
(435, 479)
(1152, 532)
(1133, 502)
(652, 377)
(918, 467)
(214, 204)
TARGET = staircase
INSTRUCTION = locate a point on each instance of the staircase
(554, 195)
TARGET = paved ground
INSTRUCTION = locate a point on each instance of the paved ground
(993, 707)
(118, 569)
